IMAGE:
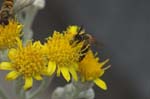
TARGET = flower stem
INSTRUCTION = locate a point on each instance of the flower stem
(45, 83)
(74, 90)
(3, 55)
(2, 95)
(18, 88)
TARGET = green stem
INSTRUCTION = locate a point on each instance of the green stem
(18, 88)
(3, 55)
(30, 12)
(2, 95)
(45, 83)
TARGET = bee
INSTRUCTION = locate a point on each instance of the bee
(8, 10)
(87, 40)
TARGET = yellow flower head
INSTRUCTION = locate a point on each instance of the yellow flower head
(90, 69)
(72, 31)
(9, 33)
(28, 61)
(63, 55)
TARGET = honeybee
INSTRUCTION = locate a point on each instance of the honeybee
(8, 11)
(87, 40)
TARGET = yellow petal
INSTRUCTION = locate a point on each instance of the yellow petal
(101, 73)
(58, 72)
(65, 73)
(72, 29)
(19, 42)
(107, 67)
(6, 66)
(103, 63)
(12, 75)
(37, 44)
(76, 66)
(12, 52)
(37, 77)
(19, 27)
(28, 83)
(100, 83)
(45, 49)
(74, 74)
(51, 67)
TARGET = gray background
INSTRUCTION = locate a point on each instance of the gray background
(123, 26)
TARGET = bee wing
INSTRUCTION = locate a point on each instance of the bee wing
(21, 4)
(97, 44)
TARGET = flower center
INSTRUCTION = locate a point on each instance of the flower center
(61, 52)
(29, 61)
(9, 33)
(90, 68)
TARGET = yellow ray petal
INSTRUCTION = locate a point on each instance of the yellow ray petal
(72, 29)
(104, 62)
(19, 27)
(6, 66)
(100, 83)
(37, 77)
(19, 42)
(75, 65)
(101, 73)
(51, 67)
(74, 74)
(65, 73)
(12, 75)
(58, 72)
(107, 67)
(37, 44)
(45, 49)
(28, 83)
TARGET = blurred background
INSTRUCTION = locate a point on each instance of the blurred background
(123, 26)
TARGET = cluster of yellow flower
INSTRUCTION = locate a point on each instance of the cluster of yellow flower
(9, 33)
(56, 55)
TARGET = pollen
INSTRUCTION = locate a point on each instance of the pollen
(61, 51)
(9, 33)
(73, 29)
(28, 61)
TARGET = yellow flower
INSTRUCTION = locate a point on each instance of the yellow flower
(90, 69)
(9, 33)
(72, 31)
(62, 55)
(28, 62)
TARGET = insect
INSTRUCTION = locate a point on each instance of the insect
(87, 40)
(8, 10)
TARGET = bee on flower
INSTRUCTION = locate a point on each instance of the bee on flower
(77, 35)
(63, 57)
(26, 61)
(90, 69)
